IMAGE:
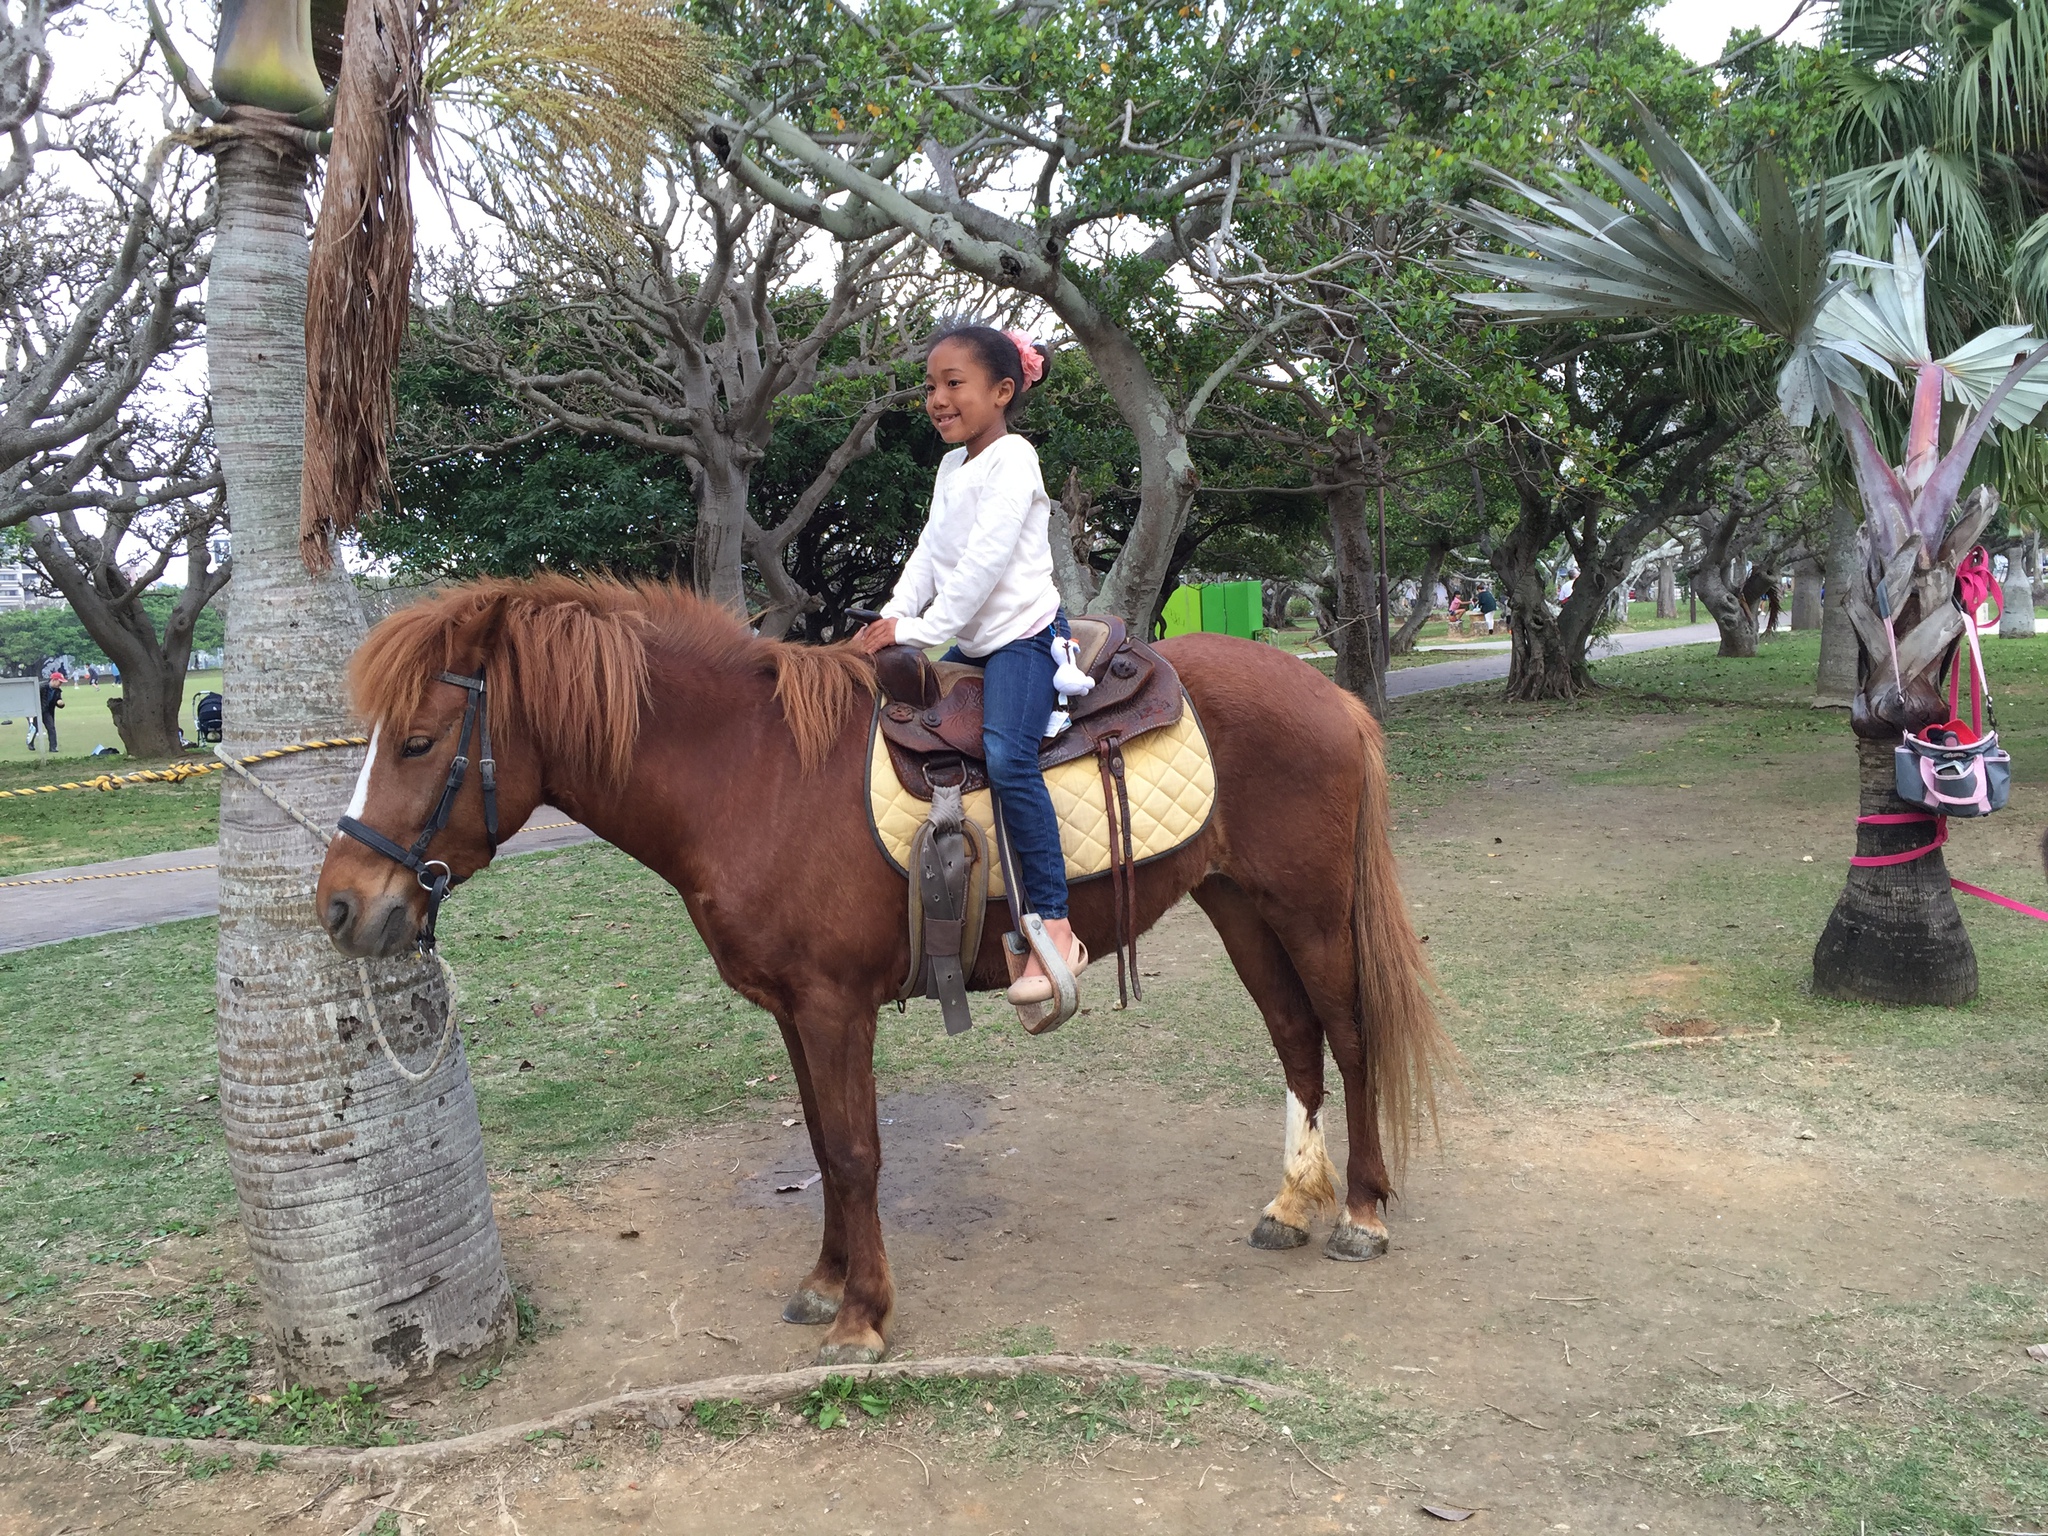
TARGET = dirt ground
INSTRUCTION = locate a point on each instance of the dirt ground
(1564, 1276)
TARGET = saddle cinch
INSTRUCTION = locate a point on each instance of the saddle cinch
(937, 821)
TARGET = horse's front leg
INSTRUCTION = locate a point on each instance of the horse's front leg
(834, 1050)
(817, 1299)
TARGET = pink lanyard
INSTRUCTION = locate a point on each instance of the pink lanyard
(1878, 860)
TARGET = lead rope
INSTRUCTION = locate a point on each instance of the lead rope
(1905, 818)
(236, 766)
(377, 1026)
(323, 837)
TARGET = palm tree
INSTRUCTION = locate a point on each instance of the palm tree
(1944, 124)
(1895, 935)
(363, 1193)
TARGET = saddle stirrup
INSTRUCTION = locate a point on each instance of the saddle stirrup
(1029, 937)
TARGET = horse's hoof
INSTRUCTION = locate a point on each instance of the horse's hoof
(809, 1306)
(848, 1354)
(1354, 1245)
(1271, 1232)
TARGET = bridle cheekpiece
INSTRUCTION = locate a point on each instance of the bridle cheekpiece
(434, 876)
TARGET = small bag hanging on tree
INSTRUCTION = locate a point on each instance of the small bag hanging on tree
(1953, 769)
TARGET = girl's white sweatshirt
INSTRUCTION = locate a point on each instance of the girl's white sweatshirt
(981, 574)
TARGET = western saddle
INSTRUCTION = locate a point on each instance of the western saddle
(930, 717)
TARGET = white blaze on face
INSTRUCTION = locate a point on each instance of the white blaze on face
(362, 795)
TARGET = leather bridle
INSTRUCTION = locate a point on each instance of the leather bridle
(434, 876)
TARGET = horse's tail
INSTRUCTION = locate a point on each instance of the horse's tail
(1404, 1044)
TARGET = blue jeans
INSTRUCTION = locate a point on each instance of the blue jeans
(1017, 699)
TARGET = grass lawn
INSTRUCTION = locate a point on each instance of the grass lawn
(83, 723)
(83, 826)
(1560, 930)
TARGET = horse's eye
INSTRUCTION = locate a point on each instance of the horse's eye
(417, 746)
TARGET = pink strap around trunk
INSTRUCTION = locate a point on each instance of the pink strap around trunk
(1940, 836)
(1879, 860)
(2003, 901)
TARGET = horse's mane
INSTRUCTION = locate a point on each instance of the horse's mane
(568, 662)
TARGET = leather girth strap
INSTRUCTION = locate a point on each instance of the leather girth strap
(949, 864)
(1123, 866)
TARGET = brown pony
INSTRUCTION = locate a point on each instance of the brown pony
(733, 768)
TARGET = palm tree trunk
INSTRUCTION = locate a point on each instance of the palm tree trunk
(2016, 619)
(1895, 935)
(363, 1197)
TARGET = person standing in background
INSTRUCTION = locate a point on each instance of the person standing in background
(51, 697)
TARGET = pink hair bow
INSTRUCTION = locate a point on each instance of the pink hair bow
(1029, 355)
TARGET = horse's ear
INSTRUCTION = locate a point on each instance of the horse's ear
(472, 644)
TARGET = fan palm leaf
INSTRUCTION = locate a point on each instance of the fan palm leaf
(1693, 254)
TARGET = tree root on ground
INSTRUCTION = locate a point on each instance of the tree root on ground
(650, 1405)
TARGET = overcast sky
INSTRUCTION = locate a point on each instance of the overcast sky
(1699, 28)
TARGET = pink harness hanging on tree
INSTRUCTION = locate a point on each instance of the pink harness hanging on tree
(1952, 768)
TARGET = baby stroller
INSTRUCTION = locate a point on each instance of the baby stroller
(206, 711)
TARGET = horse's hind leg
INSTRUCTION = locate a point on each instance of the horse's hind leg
(1323, 963)
(1307, 1180)
(817, 1299)
(1361, 1231)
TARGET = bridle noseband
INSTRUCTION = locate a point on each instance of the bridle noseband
(435, 878)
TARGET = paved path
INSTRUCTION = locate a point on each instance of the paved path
(1494, 664)
(56, 904)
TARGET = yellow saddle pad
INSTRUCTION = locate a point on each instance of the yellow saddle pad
(1172, 785)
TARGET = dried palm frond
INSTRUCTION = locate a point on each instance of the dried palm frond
(559, 91)
(573, 86)
(360, 284)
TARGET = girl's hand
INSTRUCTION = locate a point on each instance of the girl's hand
(876, 635)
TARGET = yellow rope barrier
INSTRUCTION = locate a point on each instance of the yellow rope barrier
(178, 773)
(117, 874)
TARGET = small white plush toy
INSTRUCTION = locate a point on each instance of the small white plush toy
(1068, 679)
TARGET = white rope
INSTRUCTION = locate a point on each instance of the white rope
(320, 833)
(377, 1025)
(322, 836)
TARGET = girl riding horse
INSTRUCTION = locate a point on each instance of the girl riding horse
(982, 575)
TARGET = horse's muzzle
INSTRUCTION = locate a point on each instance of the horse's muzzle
(369, 930)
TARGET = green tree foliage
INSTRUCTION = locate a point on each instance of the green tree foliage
(508, 506)
(1943, 122)
(34, 635)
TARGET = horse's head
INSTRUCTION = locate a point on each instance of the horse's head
(425, 816)
(480, 700)
(549, 677)
(449, 771)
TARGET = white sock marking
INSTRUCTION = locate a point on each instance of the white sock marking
(1297, 1131)
(362, 795)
